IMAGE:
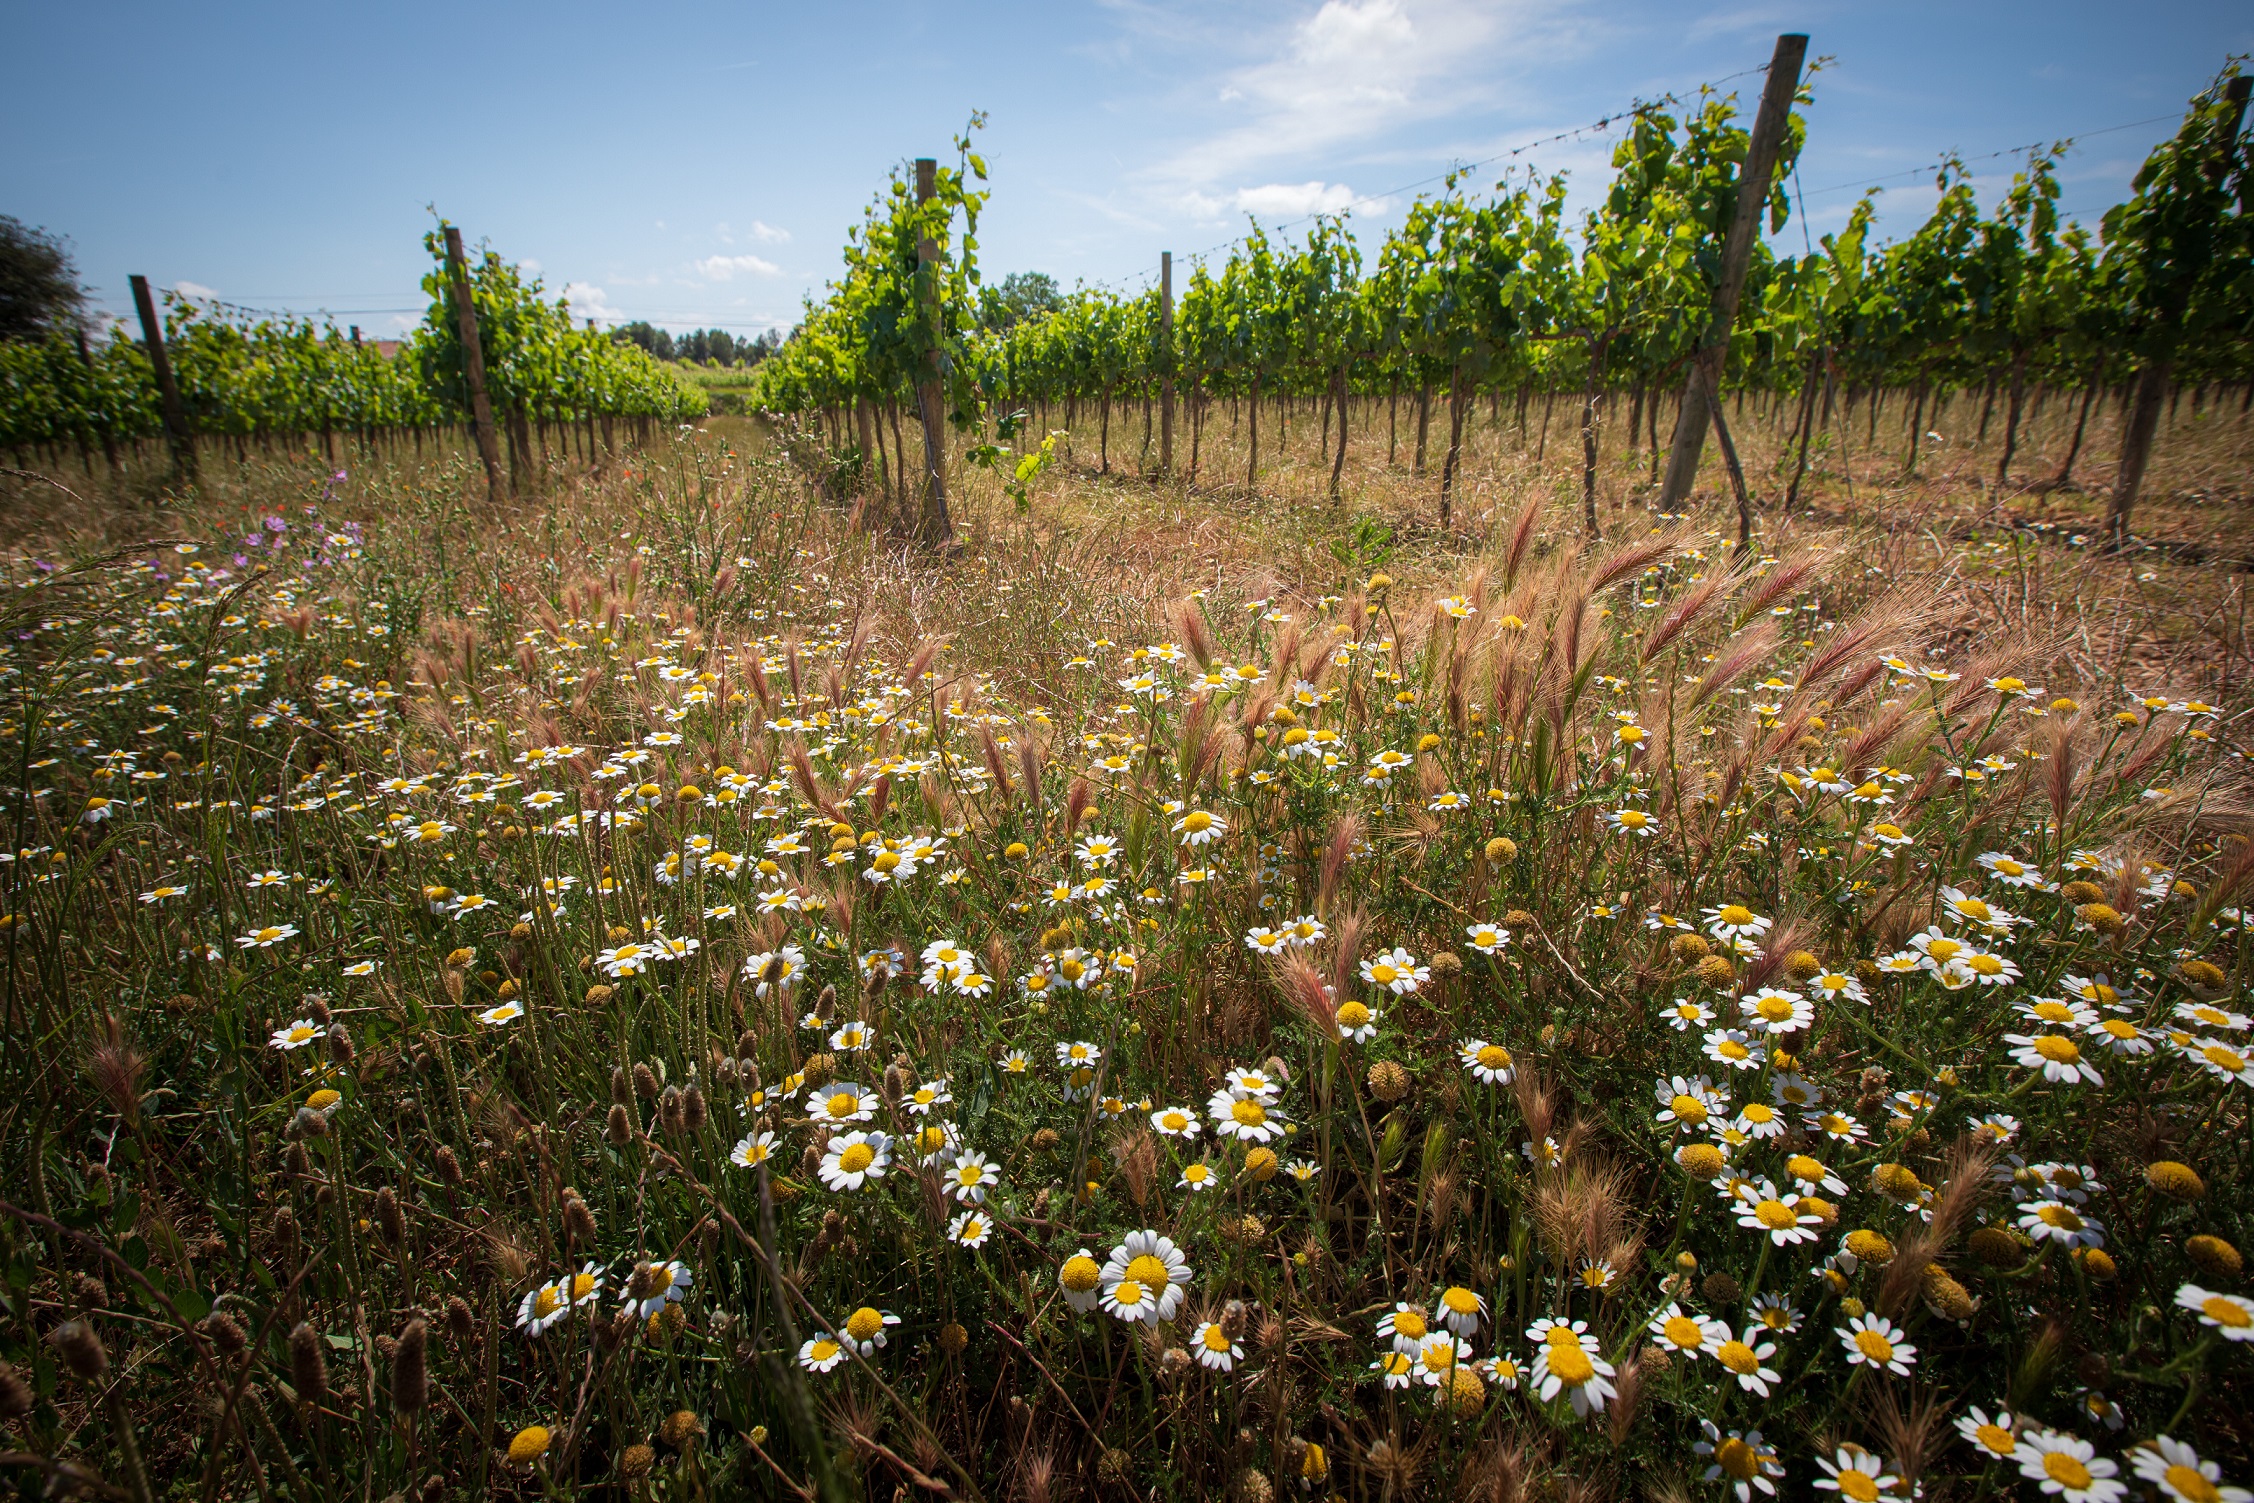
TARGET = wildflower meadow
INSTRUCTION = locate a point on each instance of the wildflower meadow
(661, 993)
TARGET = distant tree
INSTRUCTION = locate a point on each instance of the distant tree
(1019, 298)
(766, 344)
(653, 340)
(39, 288)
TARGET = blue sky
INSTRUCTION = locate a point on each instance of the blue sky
(699, 164)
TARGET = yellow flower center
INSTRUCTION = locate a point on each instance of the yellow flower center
(1972, 908)
(2226, 1312)
(1776, 1009)
(1215, 1339)
(1760, 1112)
(545, 1302)
(1688, 1109)
(1739, 1358)
(1410, 1324)
(1633, 819)
(863, 1324)
(1731, 1049)
(1079, 1273)
(2053, 1012)
(2230, 1061)
(1173, 1121)
(1353, 1015)
(1737, 1459)
(1383, 974)
(1129, 1294)
(1986, 965)
(825, 1349)
(1943, 950)
(1860, 1486)
(1197, 822)
(2057, 1050)
(1571, 1364)
(1804, 1167)
(1683, 1332)
(1776, 1215)
(1874, 1346)
(1461, 1300)
(1146, 1269)
(1997, 1439)
(2187, 1482)
(857, 1157)
(582, 1285)
(1735, 914)
(1248, 1112)
(1494, 1057)
(2061, 1467)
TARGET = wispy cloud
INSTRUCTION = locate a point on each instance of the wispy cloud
(1274, 201)
(589, 301)
(1737, 20)
(1352, 73)
(727, 268)
(759, 230)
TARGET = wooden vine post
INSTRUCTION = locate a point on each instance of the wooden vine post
(473, 360)
(2159, 371)
(1166, 362)
(175, 416)
(935, 526)
(1737, 253)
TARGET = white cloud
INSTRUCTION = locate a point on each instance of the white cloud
(1355, 70)
(531, 264)
(589, 301)
(1295, 200)
(726, 268)
(194, 289)
(759, 230)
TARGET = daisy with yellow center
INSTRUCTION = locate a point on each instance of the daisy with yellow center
(855, 1158)
(1405, 1326)
(1996, 1439)
(1856, 1475)
(1747, 1359)
(2230, 1314)
(864, 1328)
(1079, 1277)
(1489, 1064)
(1742, 1460)
(1144, 1277)
(2068, 1467)
(1876, 1342)
(1214, 1348)
(1680, 1332)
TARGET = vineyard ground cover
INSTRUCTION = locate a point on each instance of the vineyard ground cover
(705, 546)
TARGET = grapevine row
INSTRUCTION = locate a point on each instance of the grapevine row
(1500, 294)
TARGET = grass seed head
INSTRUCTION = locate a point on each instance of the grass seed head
(309, 1364)
(80, 1349)
(410, 1368)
